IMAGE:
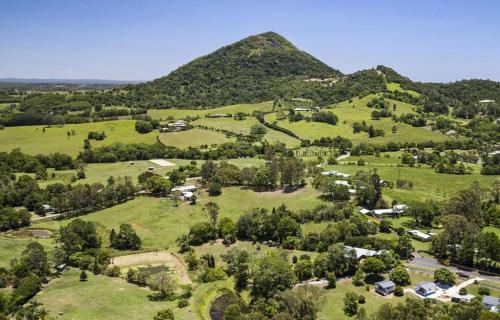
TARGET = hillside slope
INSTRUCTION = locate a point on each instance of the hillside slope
(249, 70)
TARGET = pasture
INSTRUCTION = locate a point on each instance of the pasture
(393, 86)
(159, 222)
(11, 247)
(193, 138)
(243, 127)
(427, 183)
(33, 140)
(164, 114)
(357, 111)
(101, 297)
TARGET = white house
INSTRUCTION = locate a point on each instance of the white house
(487, 101)
(342, 183)
(400, 208)
(364, 211)
(419, 235)
(361, 252)
(182, 189)
(451, 133)
(301, 109)
(379, 212)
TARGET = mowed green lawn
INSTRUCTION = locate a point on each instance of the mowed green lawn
(164, 114)
(193, 138)
(158, 222)
(32, 140)
(426, 182)
(357, 111)
(101, 297)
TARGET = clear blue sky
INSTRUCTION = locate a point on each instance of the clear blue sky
(141, 40)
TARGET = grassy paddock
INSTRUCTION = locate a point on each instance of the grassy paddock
(163, 114)
(101, 297)
(32, 140)
(12, 247)
(357, 111)
(159, 223)
(427, 183)
(193, 138)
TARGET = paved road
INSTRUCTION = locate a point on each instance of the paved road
(432, 263)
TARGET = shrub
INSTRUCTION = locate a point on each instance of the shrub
(400, 276)
(484, 291)
(398, 291)
(182, 303)
(462, 291)
(332, 280)
(361, 162)
(214, 189)
(361, 299)
(444, 276)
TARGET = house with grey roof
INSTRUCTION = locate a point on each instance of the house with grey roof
(426, 288)
(491, 303)
(385, 287)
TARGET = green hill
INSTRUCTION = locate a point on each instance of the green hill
(249, 70)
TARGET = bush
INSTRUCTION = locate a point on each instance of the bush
(398, 291)
(444, 276)
(361, 162)
(182, 303)
(484, 291)
(400, 276)
(361, 299)
(462, 291)
(332, 280)
(212, 274)
(214, 189)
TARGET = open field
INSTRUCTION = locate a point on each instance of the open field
(427, 183)
(158, 222)
(193, 138)
(32, 140)
(101, 297)
(243, 127)
(357, 111)
(164, 114)
(393, 86)
(11, 247)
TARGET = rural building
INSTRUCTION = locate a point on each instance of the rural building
(379, 212)
(364, 211)
(301, 109)
(178, 125)
(419, 235)
(456, 297)
(189, 188)
(451, 133)
(361, 252)
(491, 303)
(385, 287)
(487, 101)
(47, 209)
(220, 115)
(329, 173)
(342, 183)
(426, 288)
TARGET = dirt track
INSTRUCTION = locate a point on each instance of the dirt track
(152, 258)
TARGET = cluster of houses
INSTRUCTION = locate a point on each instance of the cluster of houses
(178, 125)
(396, 209)
(187, 192)
(431, 290)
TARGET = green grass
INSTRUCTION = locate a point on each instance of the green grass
(357, 111)
(386, 158)
(393, 86)
(492, 229)
(427, 183)
(101, 297)
(159, 223)
(163, 114)
(474, 289)
(193, 138)
(32, 140)
(243, 127)
(11, 247)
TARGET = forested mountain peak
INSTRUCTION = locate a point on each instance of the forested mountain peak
(250, 70)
